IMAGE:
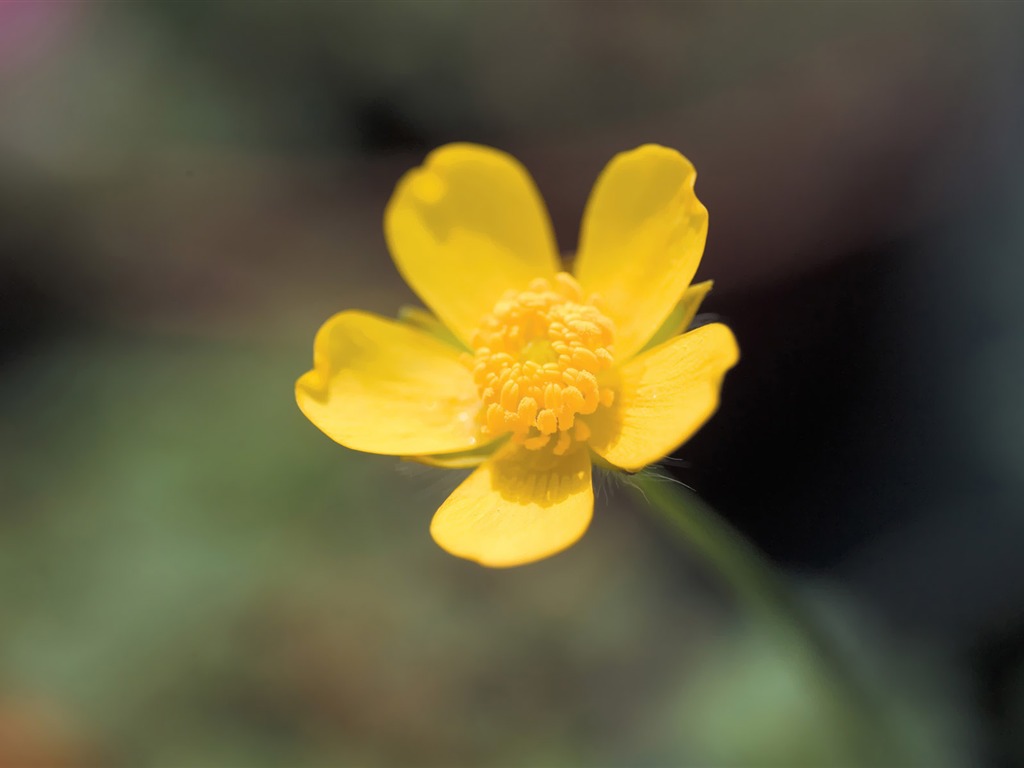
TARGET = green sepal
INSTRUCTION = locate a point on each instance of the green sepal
(425, 321)
(682, 315)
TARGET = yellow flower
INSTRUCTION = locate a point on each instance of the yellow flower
(528, 373)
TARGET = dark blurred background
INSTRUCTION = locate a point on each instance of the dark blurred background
(192, 575)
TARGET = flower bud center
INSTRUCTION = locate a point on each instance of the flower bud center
(538, 358)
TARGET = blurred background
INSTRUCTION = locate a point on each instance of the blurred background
(192, 575)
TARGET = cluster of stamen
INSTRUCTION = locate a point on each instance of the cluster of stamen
(538, 359)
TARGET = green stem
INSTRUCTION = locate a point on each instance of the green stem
(758, 585)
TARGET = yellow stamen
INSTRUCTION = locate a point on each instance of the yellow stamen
(538, 358)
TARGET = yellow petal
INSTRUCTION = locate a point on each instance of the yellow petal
(518, 507)
(642, 238)
(681, 317)
(383, 387)
(665, 395)
(465, 227)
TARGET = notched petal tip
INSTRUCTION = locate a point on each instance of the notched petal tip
(461, 151)
(659, 152)
(310, 385)
(315, 383)
(425, 185)
(428, 184)
(656, 158)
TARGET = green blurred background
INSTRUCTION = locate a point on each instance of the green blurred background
(192, 575)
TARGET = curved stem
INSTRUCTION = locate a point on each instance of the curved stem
(757, 583)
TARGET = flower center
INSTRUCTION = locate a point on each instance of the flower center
(537, 361)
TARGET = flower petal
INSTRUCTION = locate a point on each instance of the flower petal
(665, 395)
(642, 238)
(518, 507)
(383, 387)
(465, 227)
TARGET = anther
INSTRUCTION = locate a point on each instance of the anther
(536, 364)
(547, 422)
